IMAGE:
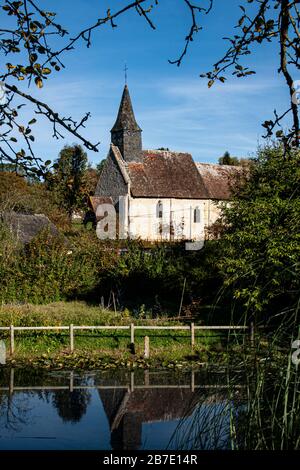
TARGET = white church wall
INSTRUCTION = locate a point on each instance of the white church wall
(177, 221)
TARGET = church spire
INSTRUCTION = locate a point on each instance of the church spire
(126, 133)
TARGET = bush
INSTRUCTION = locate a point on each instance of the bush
(47, 269)
(260, 245)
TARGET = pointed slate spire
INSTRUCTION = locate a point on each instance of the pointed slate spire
(126, 133)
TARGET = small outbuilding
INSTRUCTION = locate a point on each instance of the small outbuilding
(27, 226)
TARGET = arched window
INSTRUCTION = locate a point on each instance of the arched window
(196, 215)
(159, 210)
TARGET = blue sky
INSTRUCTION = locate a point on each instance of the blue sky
(172, 104)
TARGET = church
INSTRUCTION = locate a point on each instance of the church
(158, 195)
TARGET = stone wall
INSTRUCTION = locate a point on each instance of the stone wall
(129, 143)
(111, 182)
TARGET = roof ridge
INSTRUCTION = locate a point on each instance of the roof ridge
(121, 162)
(166, 151)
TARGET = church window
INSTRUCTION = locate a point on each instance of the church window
(159, 210)
(196, 215)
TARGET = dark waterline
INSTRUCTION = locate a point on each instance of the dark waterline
(151, 410)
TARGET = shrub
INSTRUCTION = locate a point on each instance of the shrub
(260, 245)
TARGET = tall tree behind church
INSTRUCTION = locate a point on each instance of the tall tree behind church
(68, 179)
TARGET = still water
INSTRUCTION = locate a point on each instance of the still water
(119, 409)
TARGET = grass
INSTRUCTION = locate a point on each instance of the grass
(165, 346)
(266, 416)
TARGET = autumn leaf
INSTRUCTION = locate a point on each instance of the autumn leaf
(39, 82)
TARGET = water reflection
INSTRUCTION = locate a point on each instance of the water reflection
(114, 410)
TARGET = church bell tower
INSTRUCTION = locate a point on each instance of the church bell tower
(126, 134)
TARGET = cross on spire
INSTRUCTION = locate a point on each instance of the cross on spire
(125, 72)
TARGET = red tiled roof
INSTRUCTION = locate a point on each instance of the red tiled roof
(220, 180)
(166, 174)
(95, 201)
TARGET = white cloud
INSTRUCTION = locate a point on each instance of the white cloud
(180, 114)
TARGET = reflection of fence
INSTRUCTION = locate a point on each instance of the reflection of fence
(130, 386)
(72, 328)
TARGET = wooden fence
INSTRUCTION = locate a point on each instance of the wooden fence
(129, 386)
(132, 328)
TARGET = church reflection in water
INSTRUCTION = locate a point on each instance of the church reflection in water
(169, 404)
(127, 411)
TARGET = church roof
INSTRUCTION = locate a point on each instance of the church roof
(25, 227)
(220, 180)
(166, 174)
(125, 119)
(95, 201)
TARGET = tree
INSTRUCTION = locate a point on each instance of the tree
(11, 168)
(35, 46)
(228, 160)
(260, 244)
(20, 195)
(90, 181)
(71, 406)
(67, 180)
(100, 166)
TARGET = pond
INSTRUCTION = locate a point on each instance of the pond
(116, 409)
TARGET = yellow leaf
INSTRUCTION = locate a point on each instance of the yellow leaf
(39, 82)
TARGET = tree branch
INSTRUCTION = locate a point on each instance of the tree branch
(53, 117)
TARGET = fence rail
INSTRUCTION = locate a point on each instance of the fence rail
(130, 385)
(132, 328)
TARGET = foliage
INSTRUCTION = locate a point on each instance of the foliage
(20, 195)
(12, 185)
(12, 168)
(253, 267)
(90, 180)
(71, 406)
(82, 266)
(264, 22)
(100, 166)
(261, 237)
(227, 159)
(46, 269)
(67, 180)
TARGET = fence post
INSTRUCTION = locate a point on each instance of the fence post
(146, 347)
(12, 340)
(132, 382)
(71, 337)
(193, 381)
(146, 378)
(192, 335)
(11, 382)
(132, 333)
(252, 334)
(71, 381)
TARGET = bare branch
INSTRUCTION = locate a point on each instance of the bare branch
(54, 117)
(193, 29)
